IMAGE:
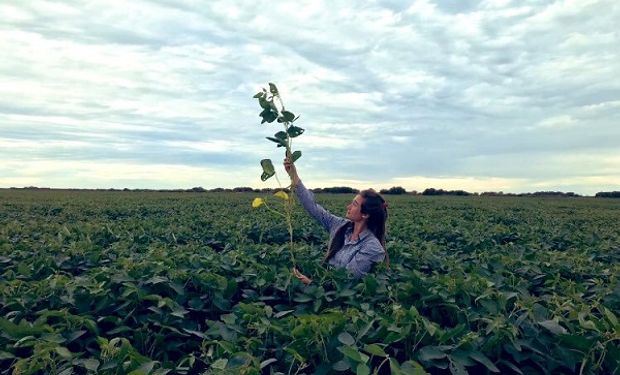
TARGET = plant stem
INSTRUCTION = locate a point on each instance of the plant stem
(274, 211)
(289, 201)
(381, 365)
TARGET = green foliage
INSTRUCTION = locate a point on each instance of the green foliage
(156, 283)
(282, 139)
(270, 112)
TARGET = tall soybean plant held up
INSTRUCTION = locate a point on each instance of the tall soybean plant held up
(273, 109)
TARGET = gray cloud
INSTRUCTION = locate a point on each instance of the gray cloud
(387, 90)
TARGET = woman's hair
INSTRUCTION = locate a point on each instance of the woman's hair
(375, 207)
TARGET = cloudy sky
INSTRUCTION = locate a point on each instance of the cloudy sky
(505, 95)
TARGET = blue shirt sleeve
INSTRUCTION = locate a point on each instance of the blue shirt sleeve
(328, 220)
(370, 253)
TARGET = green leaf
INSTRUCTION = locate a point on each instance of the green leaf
(178, 288)
(288, 116)
(119, 329)
(298, 357)
(147, 367)
(375, 349)
(110, 365)
(279, 141)
(453, 332)
(553, 326)
(281, 135)
(195, 333)
(268, 115)
(240, 359)
(581, 343)
(53, 337)
(74, 335)
(462, 357)
(612, 359)
(430, 328)
(282, 313)
(268, 169)
(91, 364)
(25, 342)
(294, 131)
(273, 88)
(259, 95)
(480, 357)
(587, 324)
(220, 364)
(610, 316)
(63, 352)
(22, 329)
(264, 103)
(362, 369)
(341, 366)
(428, 353)
(346, 338)
(296, 155)
(412, 368)
(6, 355)
(511, 366)
(303, 298)
(267, 362)
(395, 367)
(353, 353)
(456, 368)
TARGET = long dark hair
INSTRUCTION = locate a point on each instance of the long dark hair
(375, 207)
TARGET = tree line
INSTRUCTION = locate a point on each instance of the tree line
(395, 190)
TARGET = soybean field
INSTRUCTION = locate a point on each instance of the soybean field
(110, 282)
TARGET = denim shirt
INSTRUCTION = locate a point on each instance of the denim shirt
(356, 256)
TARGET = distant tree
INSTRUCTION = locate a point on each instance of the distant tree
(433, 191)
(459, 192)
(430, 191)
(553, 194)
(198, 189)
(395, 190)
(608, 194)
(340, 190)
(243, 189)
(490, 194)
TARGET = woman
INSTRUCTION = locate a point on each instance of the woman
(356, 242)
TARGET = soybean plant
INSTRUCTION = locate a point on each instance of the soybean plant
(272, 109)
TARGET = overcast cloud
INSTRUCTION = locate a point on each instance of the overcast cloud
(492, 95)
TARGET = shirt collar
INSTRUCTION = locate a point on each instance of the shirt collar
(365, 233)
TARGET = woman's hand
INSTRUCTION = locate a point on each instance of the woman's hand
(291, 170)
(303, 278)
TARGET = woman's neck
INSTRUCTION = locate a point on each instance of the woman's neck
(358, 228)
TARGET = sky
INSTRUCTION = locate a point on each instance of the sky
(512, 96)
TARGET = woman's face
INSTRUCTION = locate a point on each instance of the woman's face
(354, 209)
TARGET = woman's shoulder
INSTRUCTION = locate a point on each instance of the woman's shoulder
(373, 243)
